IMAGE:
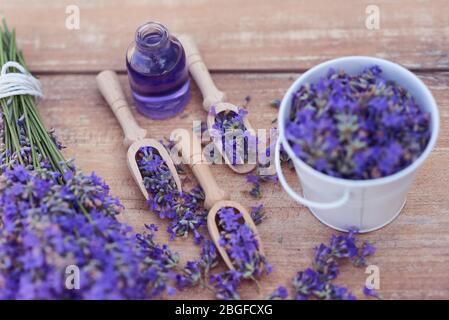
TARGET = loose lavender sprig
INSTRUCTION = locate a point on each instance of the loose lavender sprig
(226, 284)
(197, 272)
(357, 127)
(281, 293)
(160, 264)
(258, 214)
(316, 282)
(371, 293)
(257, 180)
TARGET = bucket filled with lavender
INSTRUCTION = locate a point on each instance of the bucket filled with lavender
(357, 129)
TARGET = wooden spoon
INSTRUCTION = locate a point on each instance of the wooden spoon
(212, 97)
(111, 90)
(214, 231)
(216, 198)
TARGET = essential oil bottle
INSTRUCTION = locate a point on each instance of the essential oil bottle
(157, 72)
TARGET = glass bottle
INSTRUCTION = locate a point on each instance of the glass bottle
(157, 72)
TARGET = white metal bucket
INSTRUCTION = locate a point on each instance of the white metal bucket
(365, 204)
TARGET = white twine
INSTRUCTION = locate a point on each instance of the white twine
(18, 83)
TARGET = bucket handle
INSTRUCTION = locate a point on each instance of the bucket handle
(308, 203)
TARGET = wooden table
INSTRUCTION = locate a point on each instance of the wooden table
(256, 48)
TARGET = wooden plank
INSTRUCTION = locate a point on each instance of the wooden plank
(413, 252)
(234, 34)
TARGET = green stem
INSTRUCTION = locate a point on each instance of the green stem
(13, 136)
(40, 141)
(36, 163)
(34, 115)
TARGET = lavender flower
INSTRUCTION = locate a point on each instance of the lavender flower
(184, 209)
(159, 263)
(371, 293)
(226, 284)
(356, 127)
(258, 214)
(365, 251)
(334, 292)
(246, 101)
(316, 282)
(309, 283)
(256, 180)
(186, 214)
(305, 283)
(281, 293)
(191, 276)
(275, 103)
(43, 230)
(209, 257)
(237, 142)
(241, 245)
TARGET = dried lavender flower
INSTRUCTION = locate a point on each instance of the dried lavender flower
(357, 127)
(371, 293)
(237, 142)
(226, 284)
(43, 230)
(190, 277)
(275, 103)
(184, 209)
(187, 214)
(247, 100)
(281, 293)
(316, 282)
(256, 180)
(196, 272)
(258, 214)
(209, 257)
(241, 244)
(159, 263)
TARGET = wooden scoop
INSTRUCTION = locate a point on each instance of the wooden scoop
(216, 198)
(214, 231)
(212, 97)
(111, 90)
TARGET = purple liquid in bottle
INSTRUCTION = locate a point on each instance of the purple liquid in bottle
(157, 72)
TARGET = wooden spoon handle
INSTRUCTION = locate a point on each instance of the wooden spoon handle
(111, 90)
(191, 155)
(200, 73)
(207, 181)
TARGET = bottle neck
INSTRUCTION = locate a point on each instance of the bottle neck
(152, 37)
